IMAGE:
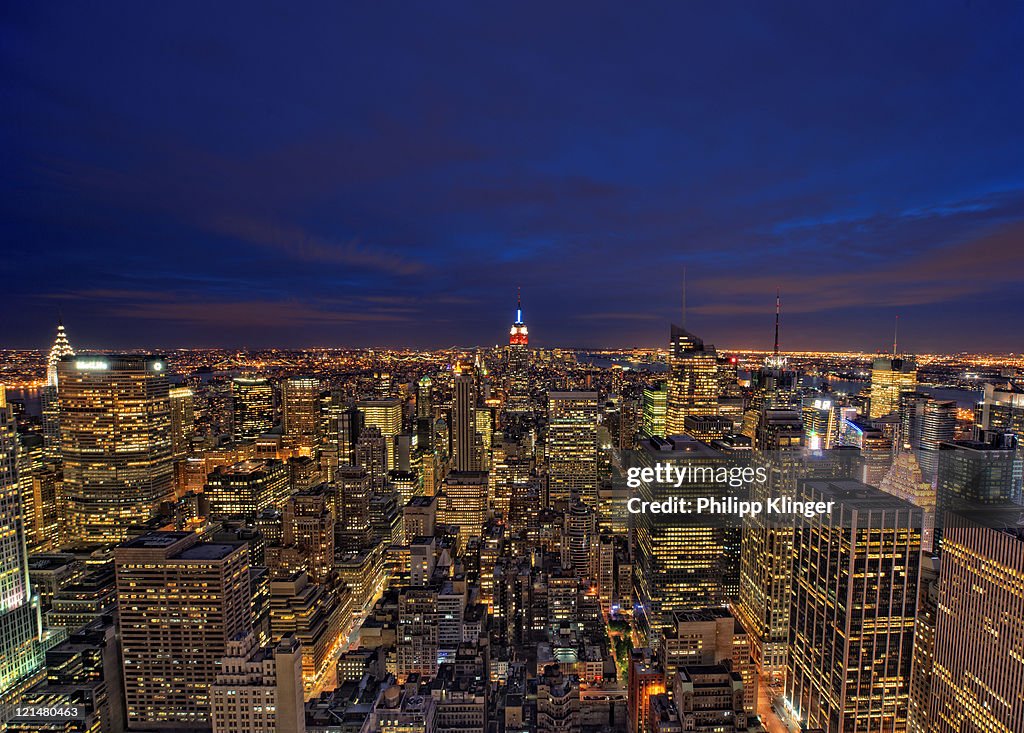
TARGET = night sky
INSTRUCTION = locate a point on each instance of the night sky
(387, 174)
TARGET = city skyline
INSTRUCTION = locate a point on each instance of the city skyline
(535, 368)
(373, 179)
(891, 348)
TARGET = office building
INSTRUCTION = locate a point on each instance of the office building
(821, 423)
(646, 679)
(314, 614)
(403, 709)
(710, 636)
(258, 689)
(923, 665)
(21, 636)
(1001, 411)
(248, 488)
(711, 698)
(352, 530)
(183, 421)
(579, 540)
(570, 448)
(49, 397)
(307, 541)
(464, 503)
(386, 416)
(905, 481)
(851, 649)
(372, 454)
(425, 413)
(683, 562)
(420, 517)
(977, 667)
(654, 420)
(252, 401)
(693, 379)
(924, 424)
(180, 602)
(300, 413)
(83, 672)
(464, 436)
(116, 443)
(517, 364)
(891, 377)
(974, 474)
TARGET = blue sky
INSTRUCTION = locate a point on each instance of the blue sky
(388, 174)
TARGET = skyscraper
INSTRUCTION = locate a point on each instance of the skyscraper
(517, 364)
(386, 416)
(341, 425)
(253, 407)
(924, 423)
(248, 488)
(308, 533)
(905, 480)
(891, 377)
(116, 442)
(182, 421)
(50, 407)
(655, 411)
(978, 671)
(851, 647)
(300, 410)
(693, 379)
(571, 447)
(973, 474)
(464, 502)
(21, 652)
(683, 562)
(579, 543)
(353, 511)
(1001, 411)
(464, 443)
(425, 413)
(372, 454)
(180, 603)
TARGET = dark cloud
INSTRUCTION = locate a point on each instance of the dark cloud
(206, 175)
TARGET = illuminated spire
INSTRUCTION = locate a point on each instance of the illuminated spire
(776, 361)
(61, 348)
(778, 307)
(684, 298)
(518, 333)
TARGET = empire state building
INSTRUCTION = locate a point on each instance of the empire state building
(517, 363)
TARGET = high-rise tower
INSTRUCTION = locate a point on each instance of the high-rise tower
(850, 647)
(517, 363)
(977, 668)
(693, 376)
(300, 411)
(693, 379)
(50, 409)
(252, 403)
(890, 378)
(571, 447)
(464, 444)
(21, 655)
(61, 348)
(115, 415)
(180, 603)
